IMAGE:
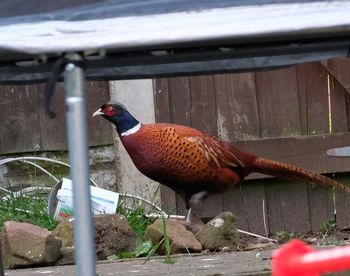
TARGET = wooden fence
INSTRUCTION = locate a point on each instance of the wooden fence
(293, 115)
(25, 126)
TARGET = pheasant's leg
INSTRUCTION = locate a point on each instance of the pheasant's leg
(188, 218)
(192, 220)
(197, 198)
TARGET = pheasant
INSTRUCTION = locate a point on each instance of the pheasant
(192, 163)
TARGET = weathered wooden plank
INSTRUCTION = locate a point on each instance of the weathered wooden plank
(343, 204)
(348, 113)
(302, 97)
(317, 98)
(341, 67)
(161, 100)
(162, 114)
(320, 197)
(203, 105)
(302, 151)
(278, 105)
(255, 204)
(97, 93)
(294, 206)
(337, 95)
(53, 131)
(180, 100)
(233, 201)
(338, 109)
(317, 89)
(237, 108)
(284, 201)
(340, 93)
(274, 210)
(19, 131)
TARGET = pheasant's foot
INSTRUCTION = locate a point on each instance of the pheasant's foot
(193, 223)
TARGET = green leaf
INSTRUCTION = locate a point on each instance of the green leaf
(113, 257)
(126, 255)
(168, 259)
(143, 249)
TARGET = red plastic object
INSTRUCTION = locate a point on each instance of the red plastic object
(296, 258)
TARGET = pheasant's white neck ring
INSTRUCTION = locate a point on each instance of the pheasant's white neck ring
(131, 130)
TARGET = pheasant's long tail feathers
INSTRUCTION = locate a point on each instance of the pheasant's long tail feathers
(294, 173)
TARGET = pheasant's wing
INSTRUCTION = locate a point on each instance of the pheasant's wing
(201, 148)
(217, 153)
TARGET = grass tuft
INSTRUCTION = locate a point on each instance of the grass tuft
(23, 208)
(136, 216)
(284, 236)
(328, 227)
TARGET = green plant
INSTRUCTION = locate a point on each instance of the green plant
(23, 208)
(284, 235)
(139, 221)
(328, 227)
(168, 259)
(136, 217)
(332, 241)
(141, 251)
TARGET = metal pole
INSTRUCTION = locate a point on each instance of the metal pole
(74, 81)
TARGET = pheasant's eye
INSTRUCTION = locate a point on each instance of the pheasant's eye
(109, 111)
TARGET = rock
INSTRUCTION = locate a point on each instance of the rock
(181, 240)
(219, 233)
(311, 240)
(67, 256)
(113, 235)
(259, 246)
(64, 231)
(26, 245)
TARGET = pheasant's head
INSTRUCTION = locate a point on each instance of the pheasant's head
(118, 115)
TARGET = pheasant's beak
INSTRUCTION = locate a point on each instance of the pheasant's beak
(98, 112)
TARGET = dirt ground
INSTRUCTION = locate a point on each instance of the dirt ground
(332, 238)
(252, 258)
(233, 263)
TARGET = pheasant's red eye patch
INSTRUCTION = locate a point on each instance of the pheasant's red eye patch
(109, 111)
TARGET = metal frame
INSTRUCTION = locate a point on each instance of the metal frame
(74, 81)
(130, 52)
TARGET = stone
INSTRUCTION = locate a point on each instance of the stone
(219, 233)
(112, 232)
(64, 231)
(113, 235)
(181, 240)
(27, 245)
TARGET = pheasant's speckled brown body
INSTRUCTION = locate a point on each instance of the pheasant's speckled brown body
(185, 159)
(190, 161)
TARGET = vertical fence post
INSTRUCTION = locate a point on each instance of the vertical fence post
(74, 81)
